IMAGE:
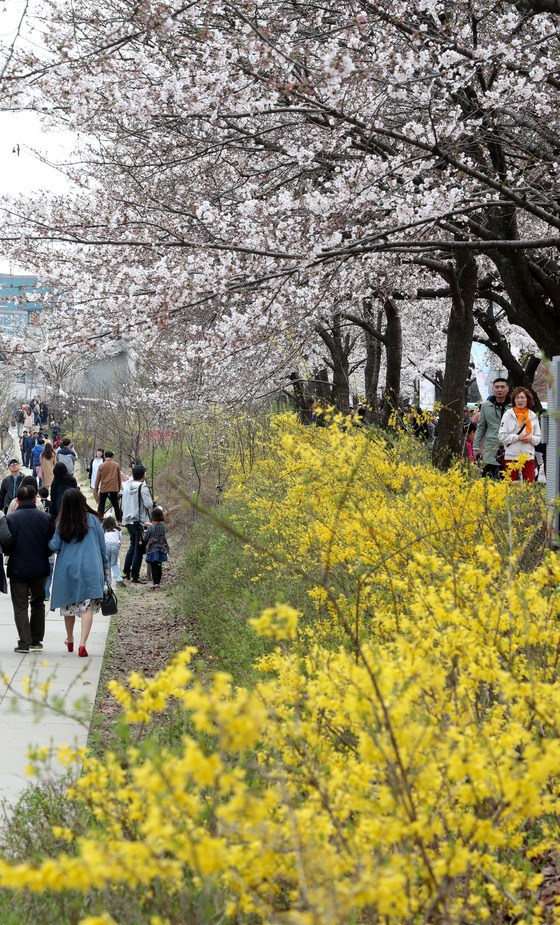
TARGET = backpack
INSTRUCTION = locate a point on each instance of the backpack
(68, 461)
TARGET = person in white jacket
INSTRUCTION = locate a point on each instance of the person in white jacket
(520, 432)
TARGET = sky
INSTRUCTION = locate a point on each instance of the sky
(23, 143)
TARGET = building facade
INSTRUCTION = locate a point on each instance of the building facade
(22, 300)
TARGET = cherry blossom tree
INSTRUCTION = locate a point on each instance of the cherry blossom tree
(248, 167)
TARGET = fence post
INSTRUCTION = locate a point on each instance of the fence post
(550, 437)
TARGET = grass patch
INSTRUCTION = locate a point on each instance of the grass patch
(98, 720)
(220, 588)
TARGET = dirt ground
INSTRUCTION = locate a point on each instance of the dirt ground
(148, 629)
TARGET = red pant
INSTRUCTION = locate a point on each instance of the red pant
(528, 471)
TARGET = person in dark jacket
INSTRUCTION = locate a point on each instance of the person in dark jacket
(65, 454)
(61, 482)
(488, 428)
(157, 547)
(36, 412)
(29, 568)
(35, 456)
(26, 448)
(5, 543)
(10, 485)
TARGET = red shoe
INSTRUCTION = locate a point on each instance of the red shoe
(82, 652)
(69, 645)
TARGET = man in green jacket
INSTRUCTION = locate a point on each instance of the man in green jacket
(491, 413)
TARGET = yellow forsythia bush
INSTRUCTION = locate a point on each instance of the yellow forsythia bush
(399, 759)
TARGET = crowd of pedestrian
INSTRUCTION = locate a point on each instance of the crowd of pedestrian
(507, 434)
(59, 549)
(502, 436)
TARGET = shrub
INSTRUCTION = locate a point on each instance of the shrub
(397, 761)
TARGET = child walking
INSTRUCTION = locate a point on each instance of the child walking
(156, 545)
(113, 540)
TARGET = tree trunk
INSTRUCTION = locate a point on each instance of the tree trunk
(341, 381)
(339, 347)
(301, 402)
(463, 281)
(393, 346)
(321, 385)
(373, 365)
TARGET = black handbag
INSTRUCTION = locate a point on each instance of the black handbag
(109, 604)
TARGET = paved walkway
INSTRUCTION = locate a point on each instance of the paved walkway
(69, 676)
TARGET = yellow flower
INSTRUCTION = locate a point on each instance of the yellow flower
(278, 622)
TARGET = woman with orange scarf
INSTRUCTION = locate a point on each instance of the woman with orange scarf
(520, 432)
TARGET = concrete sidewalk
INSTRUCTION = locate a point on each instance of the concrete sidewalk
(69, 676)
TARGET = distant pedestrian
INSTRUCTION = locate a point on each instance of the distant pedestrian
(62, 481)
(5, 543)
(113, 540)
(520, 433)
(36, 412)
(108, 484)
(28, 568)
(67, 455)
(469, 440)
(28, 417)
(20, 421)
(36, 453)
(94, 466)
(26, 480)
(27, 445)
(47, 462)
(81, 566)
(10, 485)
(43, 496)
(137, 502)
(157, 547)
(487, 430)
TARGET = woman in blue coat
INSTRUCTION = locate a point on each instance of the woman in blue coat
(81, 565)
